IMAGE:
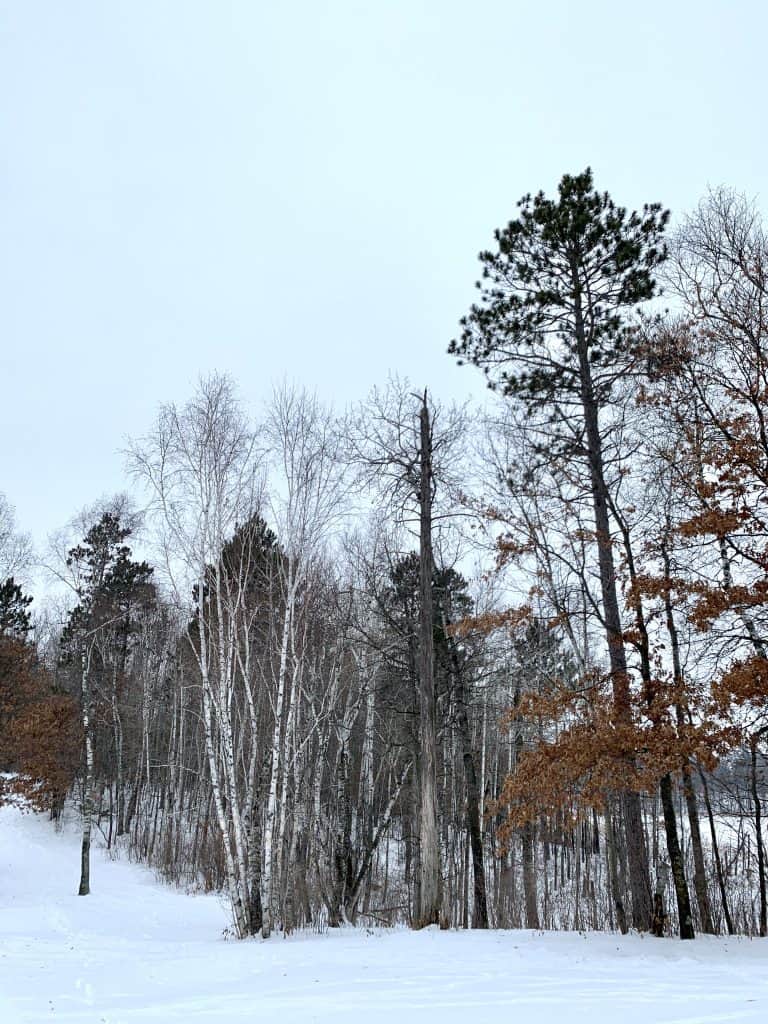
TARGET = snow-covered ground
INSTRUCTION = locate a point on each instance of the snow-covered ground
(137, 951)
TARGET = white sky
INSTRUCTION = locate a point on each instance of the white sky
(300, 189)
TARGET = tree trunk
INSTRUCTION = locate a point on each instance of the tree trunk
(429, 849)
(676, 859)
(716, 854)
(639, 875)
(367, 859)
(759, 647)
(88, 781)
(236, 895)
(475, 825)
(665, 783)
(699, 871)
(255, 850)
(758, 836)
(613, 870)
(528, 837)
(699, 868)
(267, 885)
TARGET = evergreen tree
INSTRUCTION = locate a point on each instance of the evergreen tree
(554, 330)
(111, 586)
(15, 620)
(400, 609)
(109, 582)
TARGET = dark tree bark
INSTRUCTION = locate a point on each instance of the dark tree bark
(676, 859)
(474, 825)
(341, 868)
(699, 870)
(716, 853)
(528, 841)
(637, 854)
(255, 909)
(367, 859)
(480, 903)
(758, 835)
(428, 911)
(665, 784)
(528, 837)
(613, 870)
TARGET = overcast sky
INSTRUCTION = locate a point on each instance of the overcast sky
(278, 189)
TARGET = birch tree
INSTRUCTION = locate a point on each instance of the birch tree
(306, 501)
(16, 551)
(202, 468)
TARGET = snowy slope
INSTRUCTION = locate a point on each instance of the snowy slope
(136, 951)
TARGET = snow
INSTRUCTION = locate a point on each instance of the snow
(138, 951)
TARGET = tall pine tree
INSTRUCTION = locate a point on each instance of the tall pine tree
(553, 330)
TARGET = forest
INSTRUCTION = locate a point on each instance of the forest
(417, 663)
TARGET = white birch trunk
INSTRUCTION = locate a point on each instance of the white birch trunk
(233, 881)
(274, 772)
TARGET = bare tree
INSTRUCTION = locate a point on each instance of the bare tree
(306, 502)
(405, 445)
(202, 467)
(15, 546)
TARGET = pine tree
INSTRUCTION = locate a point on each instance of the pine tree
(15, 619)
(110, 585)
(554, 331)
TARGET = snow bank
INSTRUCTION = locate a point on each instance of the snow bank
(136, 951)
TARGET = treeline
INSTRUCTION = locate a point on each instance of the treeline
(414, 665)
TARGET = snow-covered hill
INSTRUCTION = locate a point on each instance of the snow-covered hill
(137, 951)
